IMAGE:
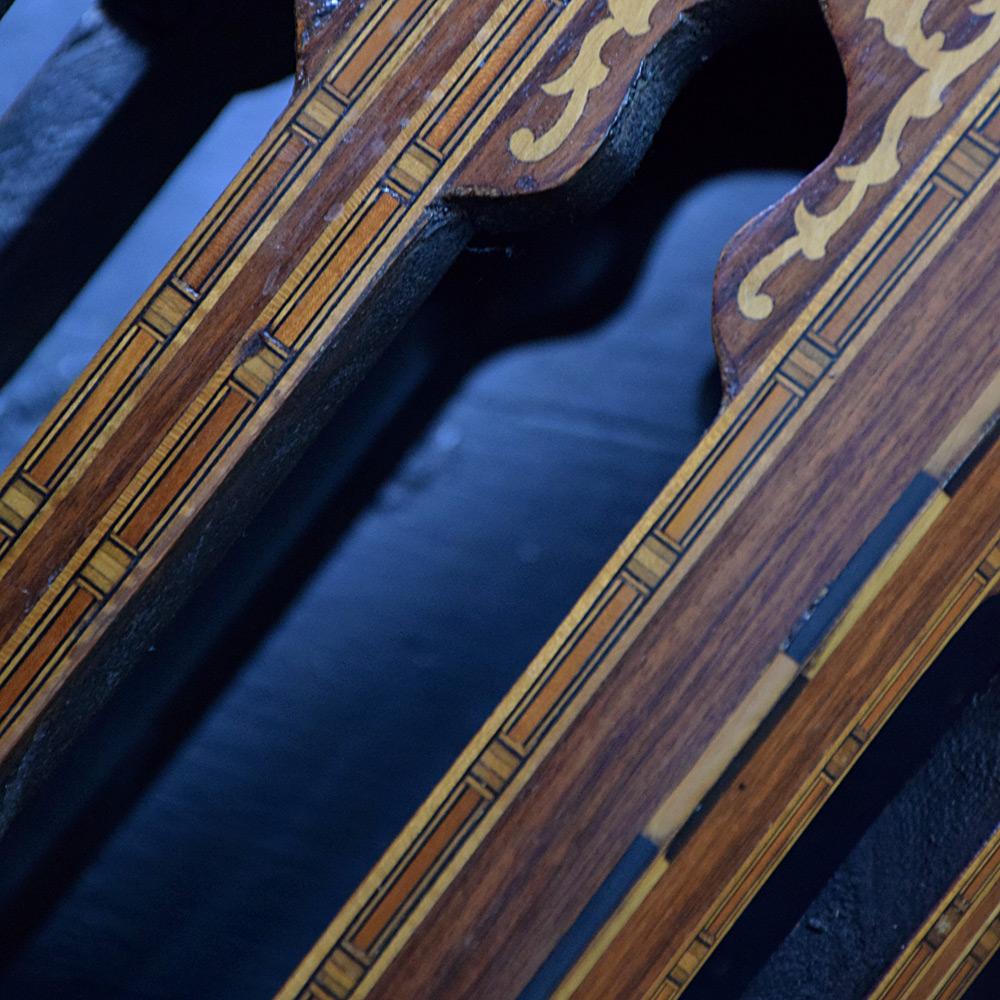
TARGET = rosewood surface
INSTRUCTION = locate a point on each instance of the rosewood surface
(855, 325)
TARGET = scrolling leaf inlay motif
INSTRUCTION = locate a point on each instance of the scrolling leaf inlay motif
(902, 24)
(587, 72)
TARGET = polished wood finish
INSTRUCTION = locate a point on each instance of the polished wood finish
(938, 574)
(688, 620)
(153, 459)
(275, 284)
(854, 327)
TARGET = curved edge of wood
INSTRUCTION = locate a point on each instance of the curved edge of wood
(787, 251)
(587, 166)
(319, 25)
(738, 354)
(500, 195)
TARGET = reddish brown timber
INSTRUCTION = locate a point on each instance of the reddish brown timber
(855, 326)
(265, 318)
(942, 569)
(854, 321)
(91, 122)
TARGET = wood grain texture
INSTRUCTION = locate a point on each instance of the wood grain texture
(869, 59)
(656, 678)
(91, 122)
(677, 682)
(937, 576)
(843, 395)
(260, 324)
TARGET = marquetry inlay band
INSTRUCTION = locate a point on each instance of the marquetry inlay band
(903, 27)
(857, 736)
(830, 331)
(297, 320)
(290, 330)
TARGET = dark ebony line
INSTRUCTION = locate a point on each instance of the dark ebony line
(840, 593)
(594, 916)
(959, 476)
